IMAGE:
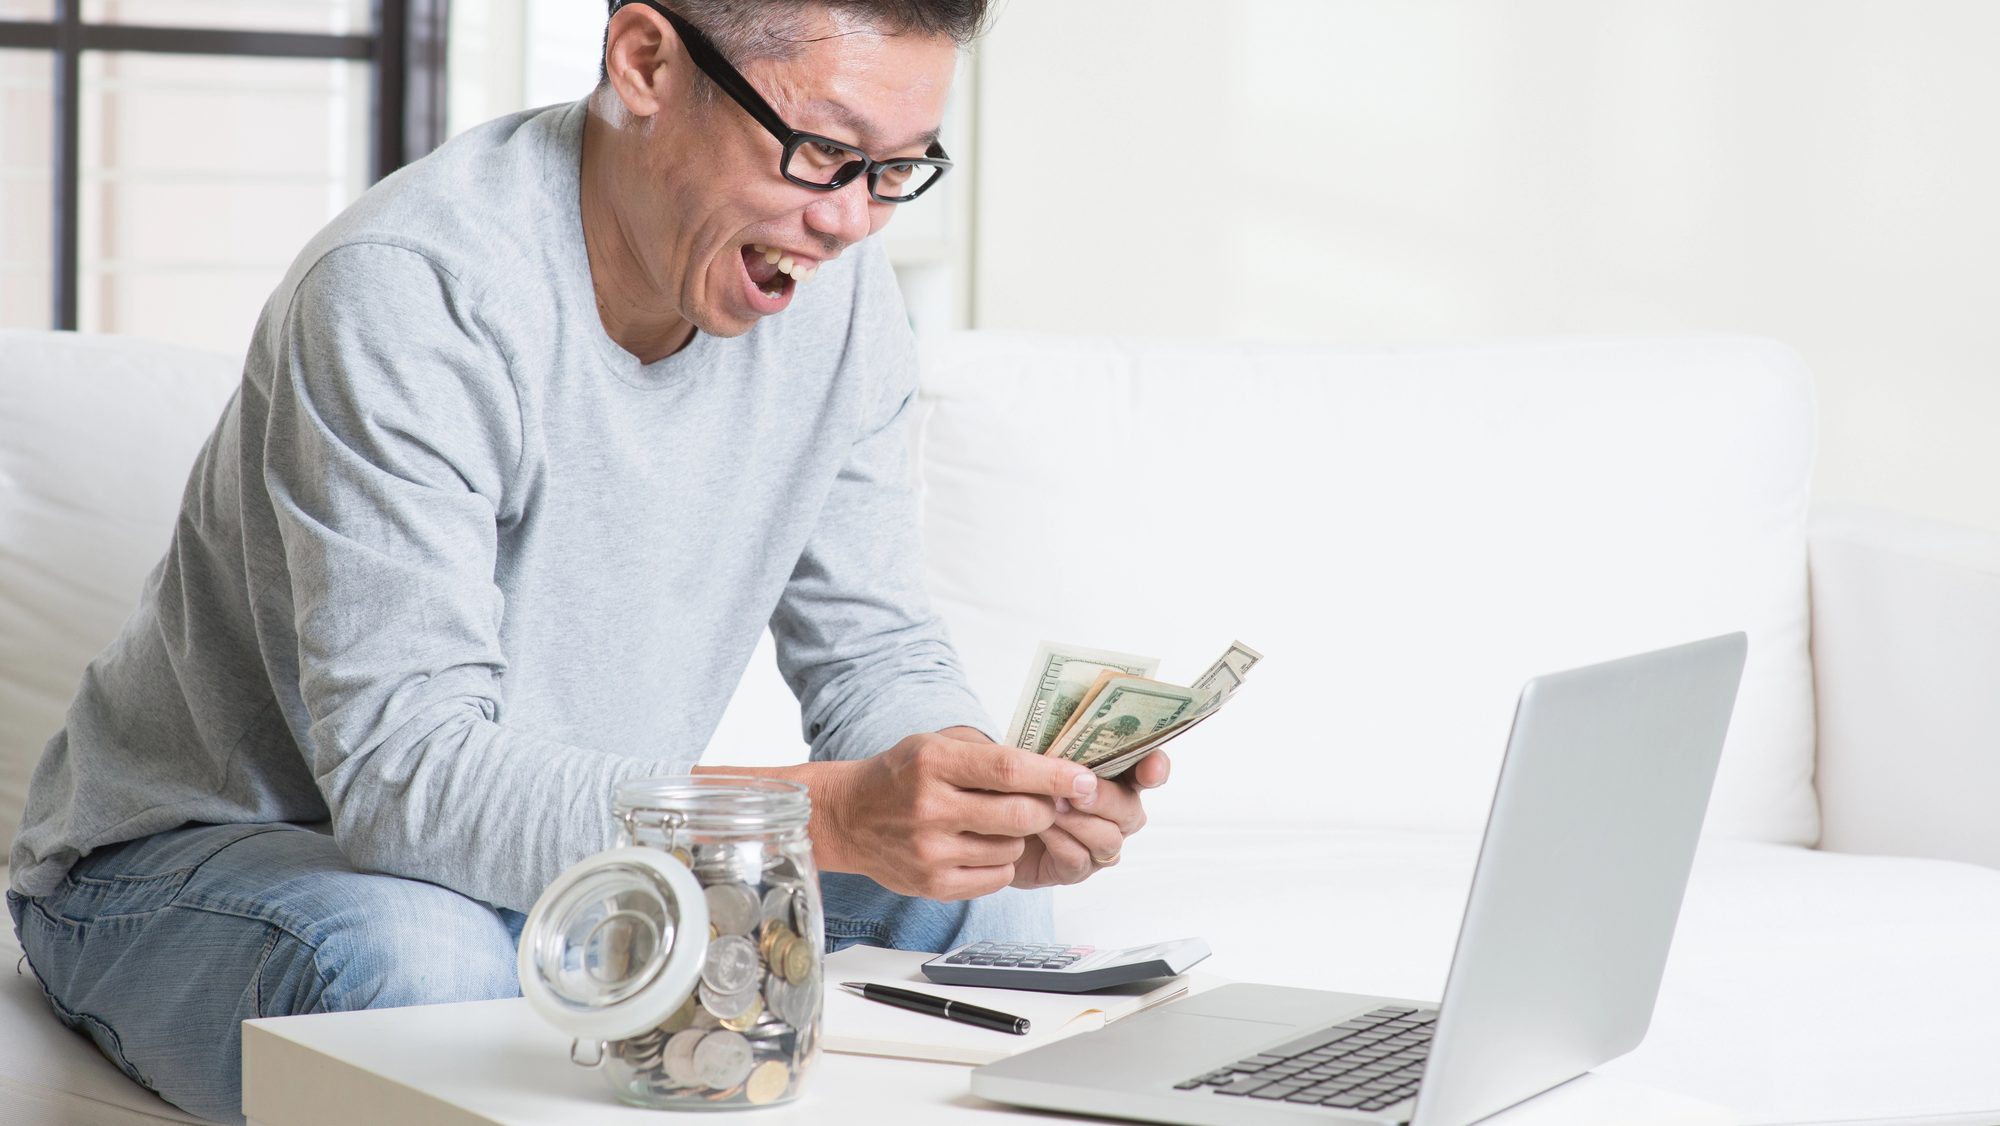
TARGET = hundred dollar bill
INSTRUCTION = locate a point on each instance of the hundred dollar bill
(1057, 682)
(1127, 710)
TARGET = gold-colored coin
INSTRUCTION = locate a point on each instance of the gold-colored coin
(683, 1017)
(713, 933)
(743, 1021)
(798, 962)
(682, 855)
(767, 1082)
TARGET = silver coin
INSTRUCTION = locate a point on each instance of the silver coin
(778, 995)
(731, 965)
(678, 1061)
(722, 1060)
(804, 923)
(733, 908)
(778, 904)
(726, 1006)
(806, 1000)
(642, 1052)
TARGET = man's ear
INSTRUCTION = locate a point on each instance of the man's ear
(640, 51)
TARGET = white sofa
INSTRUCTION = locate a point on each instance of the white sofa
(1407, 535)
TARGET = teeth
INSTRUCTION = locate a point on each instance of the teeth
(804, 276)
(772, 255)
(786, 263)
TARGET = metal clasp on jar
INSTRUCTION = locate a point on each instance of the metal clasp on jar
(668, 821)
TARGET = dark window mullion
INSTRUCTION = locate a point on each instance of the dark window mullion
(67, 181)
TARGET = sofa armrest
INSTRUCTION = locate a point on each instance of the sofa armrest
(1906, 671)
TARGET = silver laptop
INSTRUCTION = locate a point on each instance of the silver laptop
(1573, 903)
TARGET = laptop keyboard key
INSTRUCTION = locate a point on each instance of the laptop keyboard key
(1244, 1086)
(1275, 1091)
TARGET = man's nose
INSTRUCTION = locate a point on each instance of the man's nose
(846, 213)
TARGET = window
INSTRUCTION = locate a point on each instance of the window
(162, 161)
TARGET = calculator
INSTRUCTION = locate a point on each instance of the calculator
(1060, 967)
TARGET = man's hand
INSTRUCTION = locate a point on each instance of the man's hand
(944, 817)
(1090, 834)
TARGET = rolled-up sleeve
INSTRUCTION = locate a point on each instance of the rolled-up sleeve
(857, 640)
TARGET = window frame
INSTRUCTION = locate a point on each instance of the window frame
(406, 53)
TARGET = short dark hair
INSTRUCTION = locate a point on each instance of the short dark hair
(744, 30)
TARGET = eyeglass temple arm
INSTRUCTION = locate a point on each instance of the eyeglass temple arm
(723, 74)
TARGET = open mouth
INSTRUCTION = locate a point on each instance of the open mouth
(773, 274)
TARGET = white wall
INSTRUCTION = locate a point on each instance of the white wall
(1382, 171)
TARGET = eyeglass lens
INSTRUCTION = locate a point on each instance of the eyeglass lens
(825, 162)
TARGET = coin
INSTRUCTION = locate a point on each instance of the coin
(777, 904)
(731, 964)
(681, 1018)
(722, 1060)
(774, 933)
(799, 961)
(803, 922)
(683, 855)
(767, 1082)
(678, 1060)
(641, 1051)
(778, 997)
(732, 907)
(725, 1005)
(743, 1021)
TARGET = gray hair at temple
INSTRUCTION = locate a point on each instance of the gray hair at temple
(745, 30)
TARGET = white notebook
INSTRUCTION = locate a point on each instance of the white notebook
(870, 1028)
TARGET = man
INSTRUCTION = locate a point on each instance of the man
(532, 444)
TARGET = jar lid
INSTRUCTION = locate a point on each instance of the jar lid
(615, 944)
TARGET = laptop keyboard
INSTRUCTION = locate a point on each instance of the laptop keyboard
(1368, 1063)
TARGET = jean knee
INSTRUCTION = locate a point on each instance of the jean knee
(427, 945)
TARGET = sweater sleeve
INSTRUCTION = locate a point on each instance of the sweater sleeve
(857, 640)
(394, 434)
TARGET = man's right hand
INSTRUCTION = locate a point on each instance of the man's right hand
(939, 817)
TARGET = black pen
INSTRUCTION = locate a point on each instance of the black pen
(939, 1007)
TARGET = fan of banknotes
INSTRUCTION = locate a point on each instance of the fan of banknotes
(1105, 710)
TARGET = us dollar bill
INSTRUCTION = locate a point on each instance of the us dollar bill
(1126, 710)
(1227, 673)
(1058, 680)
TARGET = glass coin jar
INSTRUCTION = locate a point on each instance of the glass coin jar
(687, 962)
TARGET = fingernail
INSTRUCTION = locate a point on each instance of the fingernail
(1085, 785)
(1062, 805)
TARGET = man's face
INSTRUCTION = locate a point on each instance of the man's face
(721, 195)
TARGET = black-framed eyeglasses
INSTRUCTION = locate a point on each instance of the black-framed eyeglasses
(810, 160)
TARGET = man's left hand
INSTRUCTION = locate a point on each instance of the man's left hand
(1088, 834)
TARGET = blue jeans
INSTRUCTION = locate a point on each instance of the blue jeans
(158, 948)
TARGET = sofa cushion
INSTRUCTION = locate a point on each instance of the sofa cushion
(97, 435)
(1406, 534)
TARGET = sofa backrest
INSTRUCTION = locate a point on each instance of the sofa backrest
(1405, 534)
(97, 434)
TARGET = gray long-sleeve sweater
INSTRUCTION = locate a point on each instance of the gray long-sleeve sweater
(453, 564)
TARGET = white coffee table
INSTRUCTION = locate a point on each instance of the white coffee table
(496, 1062)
